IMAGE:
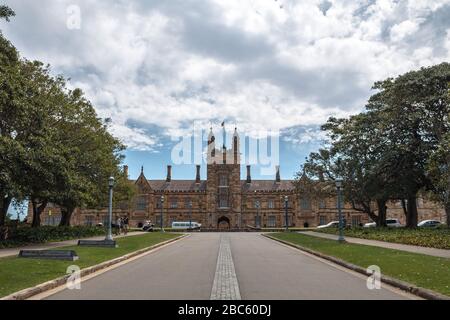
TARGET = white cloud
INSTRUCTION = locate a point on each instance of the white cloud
(156, 66)
(403, 29)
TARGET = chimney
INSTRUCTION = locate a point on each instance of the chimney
(169, 174)
(278, 176)
(197, 178)
(125, 171)
(249, 175)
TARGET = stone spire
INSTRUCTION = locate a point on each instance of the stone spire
(236, 147)
(249, 174)
(211, 146)
(278, 176)
(169, 174)
(197, 177)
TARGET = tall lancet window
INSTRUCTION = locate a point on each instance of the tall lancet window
(224, 192)
(223, 181)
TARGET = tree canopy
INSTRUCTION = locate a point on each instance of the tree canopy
(394, 150)
(53, 146)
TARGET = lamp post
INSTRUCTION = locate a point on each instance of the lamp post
(341, 222)
(258, 222)
(162, 214)
(111, 186)
(286, 218)
(190, 213)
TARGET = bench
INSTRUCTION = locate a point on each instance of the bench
(97, 243)
(67, 255)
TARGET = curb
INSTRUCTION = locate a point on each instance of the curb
(30, 292)
(405, 286)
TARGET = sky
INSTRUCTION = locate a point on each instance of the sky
(156, 68)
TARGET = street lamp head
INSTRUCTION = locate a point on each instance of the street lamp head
(111, 182)
(286, 198)
(162, 199)
(338, 183)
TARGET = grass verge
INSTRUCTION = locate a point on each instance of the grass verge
(17, 273)
(421, 270)
(433, 238)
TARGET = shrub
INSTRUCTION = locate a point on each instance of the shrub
(435, 238)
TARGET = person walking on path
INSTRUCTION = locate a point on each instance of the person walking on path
(126, 221)
(119, 225)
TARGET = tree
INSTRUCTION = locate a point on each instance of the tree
(384, 153)
(11, 115)
(94, 155)
(53, 147)
(6, 12)
(43, 165)
(439, 172)
(414, 111)
(353, 156)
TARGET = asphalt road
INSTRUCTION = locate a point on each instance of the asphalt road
(257, 268)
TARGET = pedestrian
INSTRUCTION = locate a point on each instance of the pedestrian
(126, 221)
(119, 225)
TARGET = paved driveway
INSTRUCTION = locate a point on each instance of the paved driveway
(227, 266)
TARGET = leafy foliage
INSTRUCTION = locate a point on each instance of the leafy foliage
(396, 149)
(53, 147)
(26, 235)
(435, 238)
(6, 12)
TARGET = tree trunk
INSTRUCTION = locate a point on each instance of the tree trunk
(373, 216)
(382, 212)
(37, 211)
(4, 206)
(447, 212)
(66, 215)
(412, 213)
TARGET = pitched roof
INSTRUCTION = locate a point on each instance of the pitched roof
(267, 185)
(178, 185)
(191, 186)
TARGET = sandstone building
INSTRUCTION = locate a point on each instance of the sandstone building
(225, 201)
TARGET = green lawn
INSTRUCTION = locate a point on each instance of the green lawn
(424, 271)
(435, 238)
(18, 273)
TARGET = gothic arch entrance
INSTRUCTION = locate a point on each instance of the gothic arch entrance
(223, 223)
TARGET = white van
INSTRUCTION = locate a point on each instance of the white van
(186, 225)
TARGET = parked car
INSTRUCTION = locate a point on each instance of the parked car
(148, 226)
(332, 224)
(429, 224)
(391, 223)
(370, 225)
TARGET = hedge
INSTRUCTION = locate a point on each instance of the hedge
(24, 235)
(425, 237)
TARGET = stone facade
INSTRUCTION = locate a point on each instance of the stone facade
(225, 201)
